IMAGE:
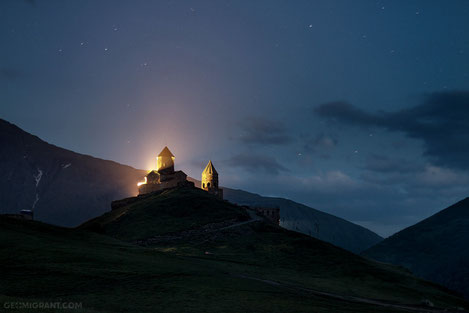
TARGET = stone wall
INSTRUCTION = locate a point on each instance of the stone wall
(271, 214)
(164, 181)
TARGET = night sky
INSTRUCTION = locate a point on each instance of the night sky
(356, 108)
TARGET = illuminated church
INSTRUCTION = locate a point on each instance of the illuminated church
(165, 177)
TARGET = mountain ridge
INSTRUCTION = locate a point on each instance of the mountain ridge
(41, 176)
(434, 249)
(318, 224)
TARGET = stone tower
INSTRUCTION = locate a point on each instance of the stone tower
(210, 180)
(165, 176)
(165, 161)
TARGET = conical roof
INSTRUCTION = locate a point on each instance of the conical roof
(210, 169)
(166, 153)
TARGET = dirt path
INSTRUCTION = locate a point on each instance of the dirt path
(254, 218)
(401, 307)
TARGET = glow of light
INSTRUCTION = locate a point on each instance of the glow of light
(142, 183)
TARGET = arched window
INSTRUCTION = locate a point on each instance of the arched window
(208, 185)
(203, 185)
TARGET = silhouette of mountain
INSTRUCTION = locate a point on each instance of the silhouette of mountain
(435, 248)
(63, 187)
(309, 221)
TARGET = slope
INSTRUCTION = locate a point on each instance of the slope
(317, 224)
(40, 176)
(47, 264)
(227, 240)
(435, 248)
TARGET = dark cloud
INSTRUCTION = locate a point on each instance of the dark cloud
(342, 111)
(257, 163)
(262, 131)
(9, 73)
(386, 164)
(320, 143)
(440, 121)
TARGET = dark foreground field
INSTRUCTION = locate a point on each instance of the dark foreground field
(185, 251)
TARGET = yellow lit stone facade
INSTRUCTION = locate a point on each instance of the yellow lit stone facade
(210, 180)
(165, 160)
(165, 176)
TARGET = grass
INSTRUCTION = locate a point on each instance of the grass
(41, 262)
(170, 211)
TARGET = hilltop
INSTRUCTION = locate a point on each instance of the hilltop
(435, 248)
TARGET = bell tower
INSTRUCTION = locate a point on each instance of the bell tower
(165, 161)
(210, 180)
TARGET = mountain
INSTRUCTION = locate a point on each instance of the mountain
(66, 188)
(63, 187)
(435, 249)
(183, 250)
(298, 217)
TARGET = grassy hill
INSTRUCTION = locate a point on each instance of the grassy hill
(170, 211)
(435, 248)
(198, 254)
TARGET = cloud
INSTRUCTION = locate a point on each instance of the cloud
(261, 131)
(256, 163)
(327, 183)
(345, 112)
(440, 121)
(321, 143)
(438, 177)
(386, 164)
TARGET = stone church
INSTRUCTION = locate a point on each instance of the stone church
(165, 177)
